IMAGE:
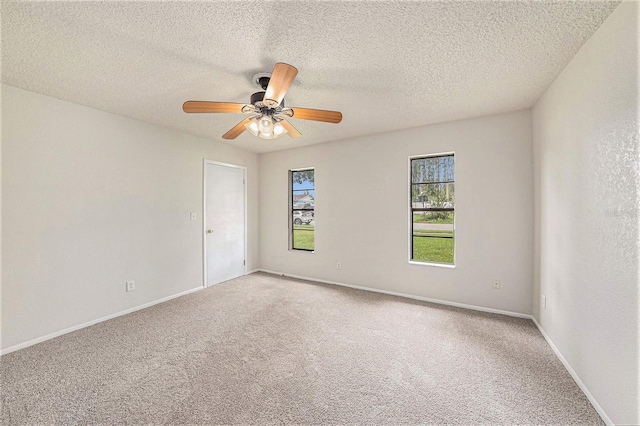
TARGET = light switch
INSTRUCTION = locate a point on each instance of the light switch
(193, 216)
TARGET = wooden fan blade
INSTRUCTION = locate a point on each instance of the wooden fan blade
(237, 129)
(317, 115)
(291, 131)
(207, 106)
(281, 78)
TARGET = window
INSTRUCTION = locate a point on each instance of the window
(432, 209)
(303, 199)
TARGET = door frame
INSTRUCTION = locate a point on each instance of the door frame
(204, 212)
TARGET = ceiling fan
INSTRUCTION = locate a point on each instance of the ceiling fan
(267, 111)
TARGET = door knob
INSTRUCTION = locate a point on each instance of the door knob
(209, 231)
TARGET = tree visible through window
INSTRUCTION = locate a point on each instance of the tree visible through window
(303, 197)
(432, 209)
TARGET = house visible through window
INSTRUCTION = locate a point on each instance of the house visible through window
(303, 197)
(432, 209)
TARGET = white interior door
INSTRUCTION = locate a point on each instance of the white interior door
(224, 220)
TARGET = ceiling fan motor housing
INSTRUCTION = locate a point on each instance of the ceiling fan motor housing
(259, 96)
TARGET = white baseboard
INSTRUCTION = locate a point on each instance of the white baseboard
(575, 376)
(252, 271)
(408, 296)
(93, 322)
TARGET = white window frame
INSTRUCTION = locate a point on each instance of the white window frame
(410, 215)
(291, 210)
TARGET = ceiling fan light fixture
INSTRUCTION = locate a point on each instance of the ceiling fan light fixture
(279, 130)
(265, 124)
(252, 126)
(265, 127)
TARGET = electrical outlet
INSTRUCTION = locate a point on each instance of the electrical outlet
(544, 301)
(338, 265)
(192, 216)
(497, 285)
(131, 285)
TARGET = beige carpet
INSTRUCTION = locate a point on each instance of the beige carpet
(263, 349)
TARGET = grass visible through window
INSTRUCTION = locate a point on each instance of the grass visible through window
(433, 245)
(303, 237)
(432, 249)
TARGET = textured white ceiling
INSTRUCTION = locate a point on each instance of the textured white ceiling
(385, 65)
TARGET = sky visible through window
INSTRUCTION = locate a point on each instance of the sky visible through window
(304, 183)
(301, 188)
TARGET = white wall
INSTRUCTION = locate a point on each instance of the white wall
(362, 211)
(92, 199)
(0, 204)
(587, 171)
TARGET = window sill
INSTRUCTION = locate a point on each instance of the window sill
(440, 265)
(302, 251)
